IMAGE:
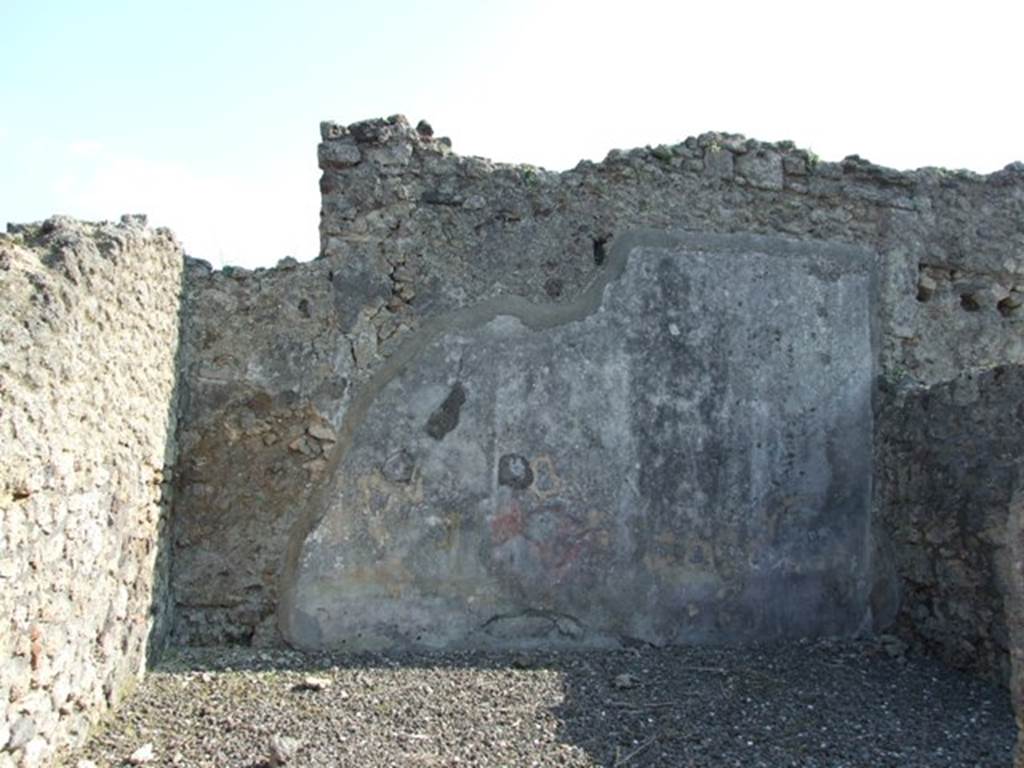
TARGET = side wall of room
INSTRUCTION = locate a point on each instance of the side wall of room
(89, 318)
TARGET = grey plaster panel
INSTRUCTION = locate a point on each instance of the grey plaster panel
(681, 455)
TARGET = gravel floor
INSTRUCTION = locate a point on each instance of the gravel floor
(806, 704)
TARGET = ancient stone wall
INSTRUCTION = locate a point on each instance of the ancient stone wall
(412, 233)
(718, 390)
(267, 370)
(88, 342)
(950, 461)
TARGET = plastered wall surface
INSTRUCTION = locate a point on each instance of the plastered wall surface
(88, 343)
(642, 464)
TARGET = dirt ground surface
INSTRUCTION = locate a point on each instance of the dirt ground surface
(862, 704)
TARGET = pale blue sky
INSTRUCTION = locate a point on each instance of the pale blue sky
(205, 114)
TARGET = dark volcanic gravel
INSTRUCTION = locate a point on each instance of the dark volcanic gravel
(830, 704)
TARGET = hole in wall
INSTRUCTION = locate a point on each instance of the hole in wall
(1008, 307)
(925, 284)
(601, 249)
(553, 287)
(969, 302)
(446, 417)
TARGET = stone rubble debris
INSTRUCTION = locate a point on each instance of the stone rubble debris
(625, 680)
(315, 683)
(143, 755)
(281, 750)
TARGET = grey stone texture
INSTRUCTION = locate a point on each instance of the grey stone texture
(88, 344)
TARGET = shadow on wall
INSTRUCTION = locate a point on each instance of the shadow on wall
(162, 598)
(952, 456)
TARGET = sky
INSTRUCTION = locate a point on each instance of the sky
(205, 115)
